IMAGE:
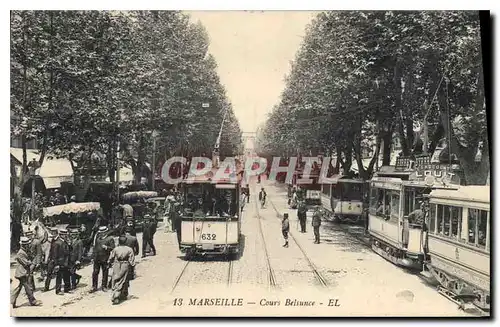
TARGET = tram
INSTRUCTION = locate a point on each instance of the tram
(211, 216)
(396, 193)
(310, 193)
(347, 199)
(459, 243)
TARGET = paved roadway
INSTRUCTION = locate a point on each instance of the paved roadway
(341, 271)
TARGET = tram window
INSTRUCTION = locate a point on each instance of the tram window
(374, 199)
(432, 218)
(439, 219)
(394, 205)
(456, 215)
(471, 223)
(446, 220)
(482, 226)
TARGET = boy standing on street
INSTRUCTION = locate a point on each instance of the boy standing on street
(285, 229)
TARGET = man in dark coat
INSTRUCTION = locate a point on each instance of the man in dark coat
(50, 260)
(131, 241)
(316, 223)
(75, 258)
(23, 270)
(61, 254)
(148, 231)
(103, 245)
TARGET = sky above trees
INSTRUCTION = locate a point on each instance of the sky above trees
(253, 51)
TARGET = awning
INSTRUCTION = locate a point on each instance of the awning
(53, 171)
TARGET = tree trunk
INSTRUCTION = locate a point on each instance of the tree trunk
(387, 142)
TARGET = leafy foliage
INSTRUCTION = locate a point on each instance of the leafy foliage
(85, 81)
(360, 79)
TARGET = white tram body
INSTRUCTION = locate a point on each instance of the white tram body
(396, 192)
(459, 242)
(216, 228)
(393, 237)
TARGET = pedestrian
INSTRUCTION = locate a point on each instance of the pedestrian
(316, 223)
(122, 258)
(262, 197)
(76, 255)
(23, 270)
(131, 225)
(248, 193)
(16, 230)
(50, 258)
(62, 253)
(36, 255)
(285, 228)
(132, 242)
(148, 230)
(103, 246)
(302, 216)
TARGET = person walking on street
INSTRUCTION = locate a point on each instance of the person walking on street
(285, 228)
(23, 270)
(248, 193)
(316, 223)
(123, 259)
(103, 246)
(302, 216)
(148, 230)
(50, 261)
(75, 258)
(262, 197)
(130, 225)
(36, 254)
(132, 242)
(61, 253)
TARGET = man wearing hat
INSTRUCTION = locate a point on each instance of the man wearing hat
(130, 226)
(316, 223)
(285, 228)
(23, 270)
(103, 245)
(148, 230)
(75, 258)
(50, 257)
(62, 253)
(35, 253)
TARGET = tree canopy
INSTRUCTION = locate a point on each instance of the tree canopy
(84, 82)
(362, 79)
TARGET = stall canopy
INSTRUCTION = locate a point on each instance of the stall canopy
(72, 207)
(53, 171)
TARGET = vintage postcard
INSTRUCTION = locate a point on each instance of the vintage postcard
(250, 163)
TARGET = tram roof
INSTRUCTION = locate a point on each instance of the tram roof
(209, 177)
(470, 193)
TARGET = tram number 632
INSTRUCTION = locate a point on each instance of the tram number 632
(208, 237)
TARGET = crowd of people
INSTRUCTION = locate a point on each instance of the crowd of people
(64, 255)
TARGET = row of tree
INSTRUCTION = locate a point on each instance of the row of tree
(84, 83)
(362, 79)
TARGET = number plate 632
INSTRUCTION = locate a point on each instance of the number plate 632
(208, 237)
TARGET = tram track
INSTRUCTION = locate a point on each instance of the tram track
(272, 283)
(322, 280)
(178, 279)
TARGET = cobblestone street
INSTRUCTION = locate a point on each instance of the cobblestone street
(341, 267)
